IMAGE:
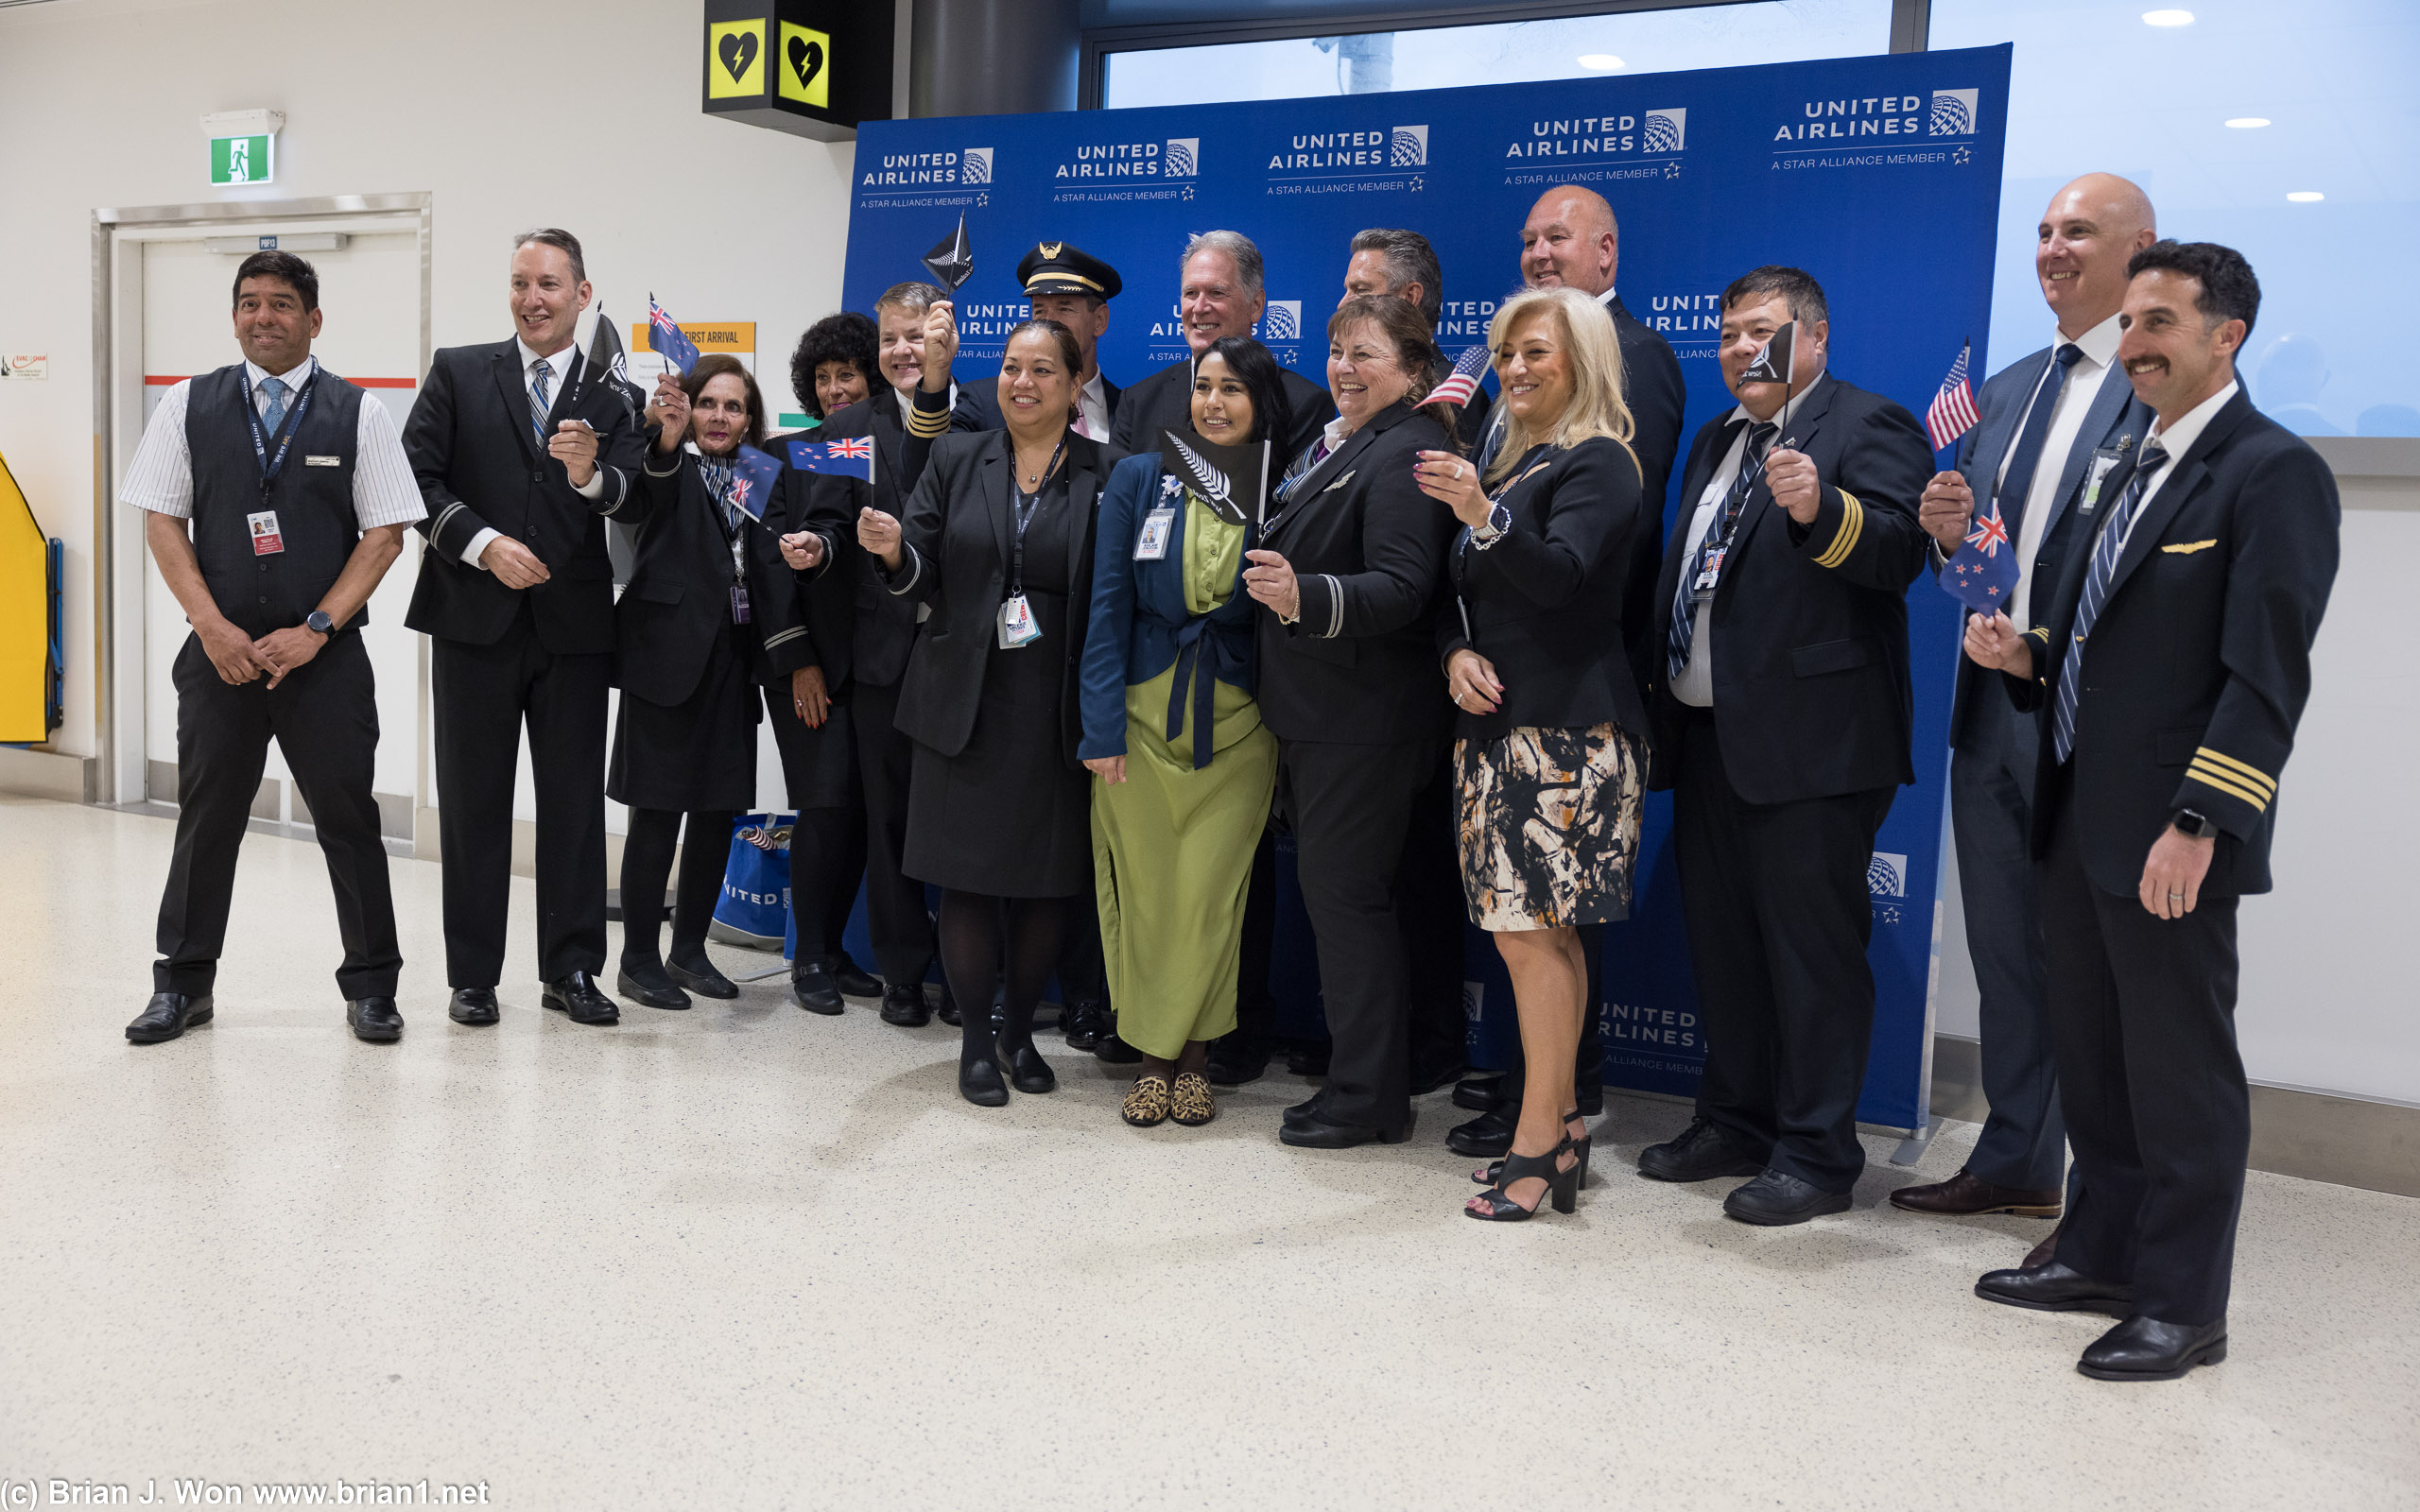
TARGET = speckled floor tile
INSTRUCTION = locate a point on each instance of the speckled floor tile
(745, 1257)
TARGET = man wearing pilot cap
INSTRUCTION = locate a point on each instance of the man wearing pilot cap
(1070, 285)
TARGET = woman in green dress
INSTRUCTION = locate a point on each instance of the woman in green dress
(1170, 728)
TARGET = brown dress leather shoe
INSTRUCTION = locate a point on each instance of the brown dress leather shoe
(1965, 1196)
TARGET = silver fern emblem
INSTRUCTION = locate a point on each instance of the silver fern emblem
(1207, 481)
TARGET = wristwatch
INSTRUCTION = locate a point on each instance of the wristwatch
(317, 620)
(2195, 825)
(1499, 520)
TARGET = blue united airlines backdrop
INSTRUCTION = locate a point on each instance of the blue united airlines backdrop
(1880, 176)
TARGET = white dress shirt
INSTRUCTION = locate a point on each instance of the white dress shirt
(1695, 686)
(384, 491)
(2100, 348)
(2176, 440)
(560, 363)
(1092, 407)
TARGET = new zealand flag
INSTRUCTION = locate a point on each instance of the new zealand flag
(668, 339)
(754, 473)
(1984, 572)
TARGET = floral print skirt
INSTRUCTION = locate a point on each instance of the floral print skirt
(1550, 825)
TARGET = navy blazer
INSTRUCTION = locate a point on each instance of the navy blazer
(1139, 625)
(2114, 412)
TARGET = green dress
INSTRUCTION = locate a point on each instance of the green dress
(1172, 845)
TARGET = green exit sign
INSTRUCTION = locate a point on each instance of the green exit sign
(242, 159)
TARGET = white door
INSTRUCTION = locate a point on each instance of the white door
(369, 293)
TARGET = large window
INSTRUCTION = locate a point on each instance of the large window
(1768, 32)
(2285, 128)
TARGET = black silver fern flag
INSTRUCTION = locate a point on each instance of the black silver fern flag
(952, 263)
(1779, 362)
(609, 364)
(1232, 481)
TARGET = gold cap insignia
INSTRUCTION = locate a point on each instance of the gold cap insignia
(1051, 250)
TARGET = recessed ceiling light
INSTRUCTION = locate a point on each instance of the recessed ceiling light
(2167, 18)
(1601, 61)
(2305, 197)
(2246, 123)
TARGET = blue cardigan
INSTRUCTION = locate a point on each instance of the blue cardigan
(1139, 626)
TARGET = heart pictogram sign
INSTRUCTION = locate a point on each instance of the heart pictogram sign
(806, 60)
(739, 53)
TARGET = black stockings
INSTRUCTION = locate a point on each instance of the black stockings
(973, 926)
(647, 862)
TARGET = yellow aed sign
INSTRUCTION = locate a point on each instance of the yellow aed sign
(736, 59)
(805, 67)
(733, 336)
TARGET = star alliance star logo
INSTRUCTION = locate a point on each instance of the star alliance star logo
(1961, 156)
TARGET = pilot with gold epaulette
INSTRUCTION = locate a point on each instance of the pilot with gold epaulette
(1064, 284)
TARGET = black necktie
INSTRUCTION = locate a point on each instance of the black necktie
(2026, 459)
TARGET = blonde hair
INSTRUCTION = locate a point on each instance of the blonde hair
(1586, 331)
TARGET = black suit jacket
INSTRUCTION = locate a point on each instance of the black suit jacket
(679, 597)
(480, 468)
(955, 538)
(1368, 548)
(979, 405)
(858, 630)
(1544, 604)
(1164, 401)
(1809, 626)
(2199, 664)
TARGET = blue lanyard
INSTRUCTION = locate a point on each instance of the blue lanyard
(268, 464)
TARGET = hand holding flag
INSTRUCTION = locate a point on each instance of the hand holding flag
(1946, 510)
(665, 337)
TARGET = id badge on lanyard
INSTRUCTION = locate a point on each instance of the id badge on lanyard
(1152, 545)
(1702, 586)
(1016, 623)
(2104, 461)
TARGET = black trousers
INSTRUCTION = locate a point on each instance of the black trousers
(324, 718)
(1991, 806)
(2142, 1022)
(1350, 807)
(1779, 912)
(484, 694)
(895, 914)
(1433, 911)
(1256, 1004)
(828, 841)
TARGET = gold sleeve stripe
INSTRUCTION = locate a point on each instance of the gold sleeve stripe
(1852, 527)
(929, 422)
(2253, 775)
(2205, 773)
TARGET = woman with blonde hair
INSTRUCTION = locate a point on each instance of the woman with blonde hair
(1550, 750)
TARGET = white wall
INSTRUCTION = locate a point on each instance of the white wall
(2327, 1000)
(511, 114)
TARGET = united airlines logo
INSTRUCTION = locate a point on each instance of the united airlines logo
(1666, 131)
(1183, 155)
(1282, 320)
(1886, 875)
(1652, 133)
(1337, 154)
(1409, 148)
(975, 165)
(1953, 112)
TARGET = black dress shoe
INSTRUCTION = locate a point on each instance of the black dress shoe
(1479, 1092)
(646, 986)
(698, 975)
(849, 979)
(375, 1021)
(2056, 1288)
(1236, 1059)
(1698, 1153)
(1116, 1051)
(1321, 1133)
(1426, 1079)
(979, 1082)
(1308, 1108)
(1082, 1024)
(577, 996)
(1308, 1058)
(166, 1016)
(2145, 1348)
(811, 983)
(1488, 1136)
(1028, 1071)
(473, 1006)
(947, 1012)
(1776, 1199)
(905, 1006)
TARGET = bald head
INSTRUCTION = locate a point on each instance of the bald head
(1571, 240)
(2090, 229)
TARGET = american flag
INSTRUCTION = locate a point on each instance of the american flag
(664, 337)
(1463, 383)
(1952, 414)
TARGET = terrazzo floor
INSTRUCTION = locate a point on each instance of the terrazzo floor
(744, 1257)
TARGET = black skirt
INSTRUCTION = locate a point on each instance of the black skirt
(697, 754)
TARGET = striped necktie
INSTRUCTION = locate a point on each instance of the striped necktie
(2113, 531)
(542, 375)
(1684, 628)
(273, 389)
(717, 474)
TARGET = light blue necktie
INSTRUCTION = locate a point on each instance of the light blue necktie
(2095, 594)
(541, 373)
(274, 390)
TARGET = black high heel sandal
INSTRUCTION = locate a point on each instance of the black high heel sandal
(1562, 1186)
(1486, 1176)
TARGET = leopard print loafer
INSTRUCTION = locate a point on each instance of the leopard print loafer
(1147, 1102)
(1189, 1101)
